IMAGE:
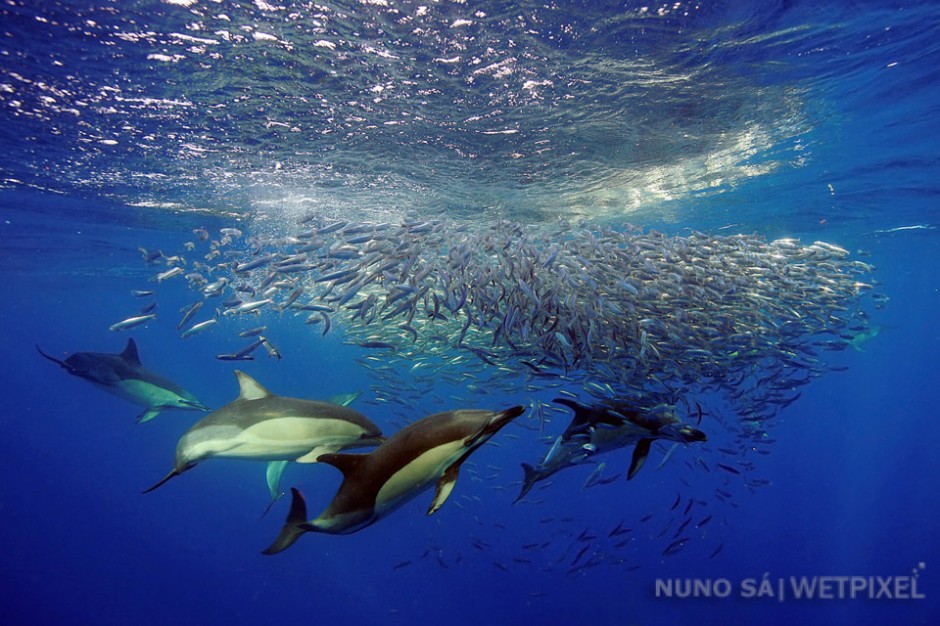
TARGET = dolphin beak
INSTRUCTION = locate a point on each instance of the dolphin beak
(196, 405)
(692, 434)
(55, 360)
(494, 424)
(173, 472)
(504, 418)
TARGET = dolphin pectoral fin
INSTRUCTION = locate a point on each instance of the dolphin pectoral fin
(148, 414)
(314, 455)
(273, 473)
(294, 527)
(173, 472)
(640, 452)
(531, 477)
(444, 486)
(274, 499)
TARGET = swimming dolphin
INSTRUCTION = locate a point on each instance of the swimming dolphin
(424, 453)
(604, 427)
(124, 376)
(261, 426)
(275, 469)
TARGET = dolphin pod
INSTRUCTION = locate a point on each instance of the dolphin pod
(123, 375)
(260, 425)
(588, 310)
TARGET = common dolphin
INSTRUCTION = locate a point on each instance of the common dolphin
(604, 427)
(124, 376)
(428, 451)
(262, 426)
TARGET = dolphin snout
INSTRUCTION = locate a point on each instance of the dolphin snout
(690, 434)
(194, 404)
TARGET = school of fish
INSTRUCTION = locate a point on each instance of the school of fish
(611, 310)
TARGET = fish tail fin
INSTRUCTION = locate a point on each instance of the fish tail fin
(295, 526)
(531, 477)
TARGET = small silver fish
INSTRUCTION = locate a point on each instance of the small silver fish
(133, 322)
(162, 276)
(247, 307)
(198, 328)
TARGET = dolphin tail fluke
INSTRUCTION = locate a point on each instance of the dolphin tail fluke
(295, 526)
(173, 472)
(531, 477)
(54, 360)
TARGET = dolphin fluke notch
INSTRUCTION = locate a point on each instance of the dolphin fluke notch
(295, 526)
(173, 472)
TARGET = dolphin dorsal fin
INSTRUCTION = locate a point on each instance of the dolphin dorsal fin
(346, 463)
(249, 388)
(583, 419)
(130, 351)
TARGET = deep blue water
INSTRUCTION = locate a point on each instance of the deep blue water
(129, 124)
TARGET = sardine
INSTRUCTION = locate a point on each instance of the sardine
(132, 322)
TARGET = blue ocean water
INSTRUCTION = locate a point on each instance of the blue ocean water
(133, 124)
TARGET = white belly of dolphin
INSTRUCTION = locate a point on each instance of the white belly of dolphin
(417, 475)
(280, 439)
(144, 393)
